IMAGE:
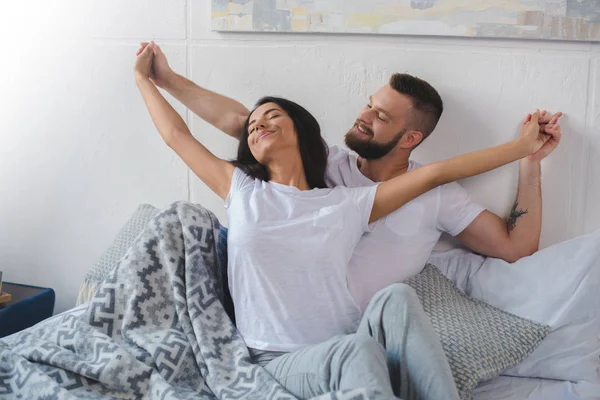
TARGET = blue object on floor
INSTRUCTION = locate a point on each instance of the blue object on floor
(28, 306)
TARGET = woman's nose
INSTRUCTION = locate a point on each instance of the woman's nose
(260, 123)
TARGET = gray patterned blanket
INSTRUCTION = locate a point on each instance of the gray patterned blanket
(156, 329)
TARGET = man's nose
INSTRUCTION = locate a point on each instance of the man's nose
(367, 117)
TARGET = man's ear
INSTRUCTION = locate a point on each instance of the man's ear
(411, 139)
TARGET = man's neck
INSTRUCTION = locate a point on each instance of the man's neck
(385, 168)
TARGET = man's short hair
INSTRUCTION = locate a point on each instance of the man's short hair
(427, 103)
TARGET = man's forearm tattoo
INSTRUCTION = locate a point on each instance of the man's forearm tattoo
(515, 214)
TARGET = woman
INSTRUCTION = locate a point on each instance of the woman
(290, 237)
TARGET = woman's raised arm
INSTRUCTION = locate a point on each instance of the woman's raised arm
(213, 171)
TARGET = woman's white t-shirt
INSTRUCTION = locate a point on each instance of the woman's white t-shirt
(288, 252)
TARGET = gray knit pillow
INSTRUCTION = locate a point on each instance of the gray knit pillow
(109, 259)
(480, 341)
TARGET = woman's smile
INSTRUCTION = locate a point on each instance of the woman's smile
(263, 134)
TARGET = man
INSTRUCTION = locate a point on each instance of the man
(398, 118)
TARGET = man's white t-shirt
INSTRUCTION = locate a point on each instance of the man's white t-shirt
(288, 252)
(398, 245)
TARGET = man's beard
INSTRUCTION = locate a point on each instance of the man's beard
(369, 149)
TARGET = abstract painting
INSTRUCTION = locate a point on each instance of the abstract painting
(527, 19)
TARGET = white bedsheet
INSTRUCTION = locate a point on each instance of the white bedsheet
(512, 388)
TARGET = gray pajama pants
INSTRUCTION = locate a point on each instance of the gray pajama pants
(395, 351)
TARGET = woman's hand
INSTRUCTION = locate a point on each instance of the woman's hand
(161, 73)
(549, 126)
(540, 142)
(143, 63)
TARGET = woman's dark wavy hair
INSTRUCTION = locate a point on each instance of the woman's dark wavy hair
(313, 149)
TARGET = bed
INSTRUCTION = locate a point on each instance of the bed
(558, 286)
(500, 388)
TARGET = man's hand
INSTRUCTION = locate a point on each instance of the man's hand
(549, 128)
(142, 68)
(161, 72)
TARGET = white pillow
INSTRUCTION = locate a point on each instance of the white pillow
(558, 286)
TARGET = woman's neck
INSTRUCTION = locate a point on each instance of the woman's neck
(288, 172)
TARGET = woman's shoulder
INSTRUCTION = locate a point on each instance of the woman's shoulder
(241, 177)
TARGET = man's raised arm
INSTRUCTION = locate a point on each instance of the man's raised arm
(519, 235)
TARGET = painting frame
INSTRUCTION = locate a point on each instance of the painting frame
(566, 20)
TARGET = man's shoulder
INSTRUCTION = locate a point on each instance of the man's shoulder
(340, 170)
(442, 196)
(337, 153)
(412, 165)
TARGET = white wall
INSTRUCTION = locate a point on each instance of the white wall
(78, 151)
